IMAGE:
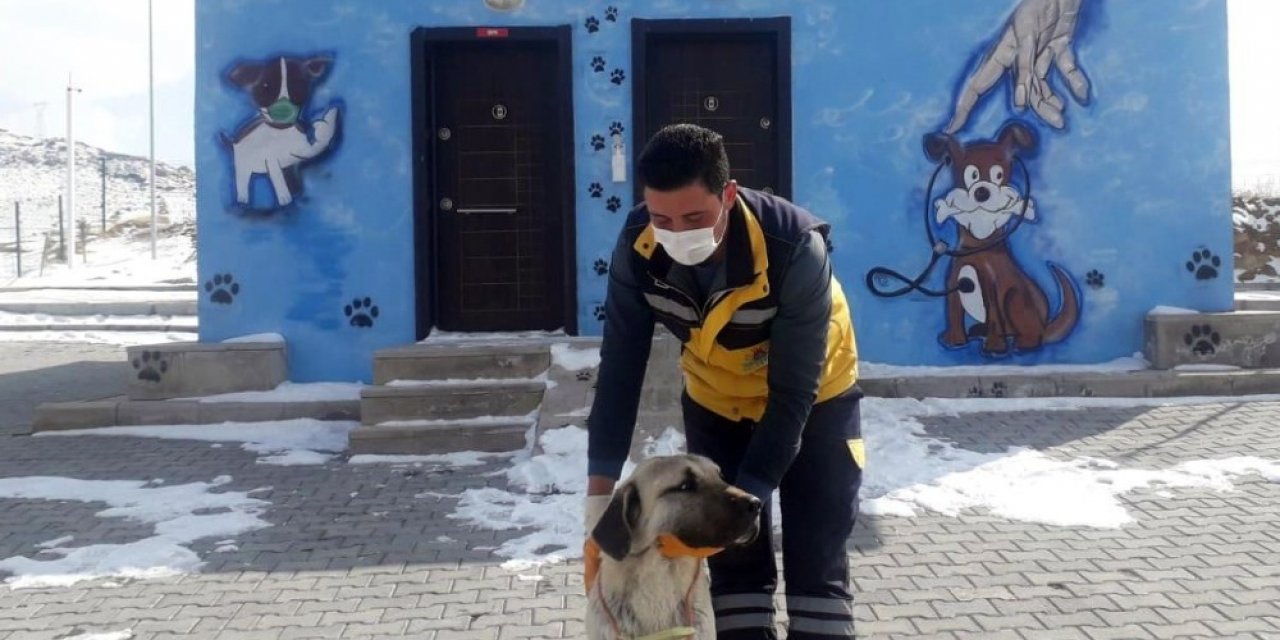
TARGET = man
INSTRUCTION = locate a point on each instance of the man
(743, 279)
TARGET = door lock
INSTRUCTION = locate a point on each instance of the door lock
(446, 204)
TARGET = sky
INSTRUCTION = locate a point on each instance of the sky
(104, 44)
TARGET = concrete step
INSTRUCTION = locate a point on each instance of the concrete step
(445, 436)
(121, 411)
(461, 361)
(1118, 384)
(1237, 338)
(188, 326)
(1258, 300)
(104, 307)
(159, 286)
(436, 400)
(193, 369)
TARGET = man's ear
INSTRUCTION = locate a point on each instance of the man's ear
(613, 530)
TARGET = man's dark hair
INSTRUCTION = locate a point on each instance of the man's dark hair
(680, 154)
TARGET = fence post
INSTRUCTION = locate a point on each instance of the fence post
(62, 237)
(104, 193)
(17, 226)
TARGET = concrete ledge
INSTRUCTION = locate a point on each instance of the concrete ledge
(440, 438)
(189, 369)
(1239, 338)
(1128, 384)
(124, 412)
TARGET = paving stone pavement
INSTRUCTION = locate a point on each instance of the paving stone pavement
(368, 551)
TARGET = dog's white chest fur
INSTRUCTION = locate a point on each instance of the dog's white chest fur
(645, 595)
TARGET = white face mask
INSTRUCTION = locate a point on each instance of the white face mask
(689, 247)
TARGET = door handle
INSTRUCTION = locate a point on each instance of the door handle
(504, 210)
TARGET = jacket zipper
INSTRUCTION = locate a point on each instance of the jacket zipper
(662, 285)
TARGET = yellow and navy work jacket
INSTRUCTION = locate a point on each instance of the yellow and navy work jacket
(773, 336)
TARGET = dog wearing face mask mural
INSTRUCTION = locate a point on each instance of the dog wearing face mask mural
(743, 279)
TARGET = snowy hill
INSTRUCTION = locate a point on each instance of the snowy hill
(1257, 238)
(33, 173)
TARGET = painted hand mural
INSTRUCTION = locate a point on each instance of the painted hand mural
(274, 142)
(1038, 36)
(985, 283)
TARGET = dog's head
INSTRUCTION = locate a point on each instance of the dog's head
(982, 169)
(682, 496)
(280, 87)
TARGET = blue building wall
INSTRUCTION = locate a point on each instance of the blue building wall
(1130, 194)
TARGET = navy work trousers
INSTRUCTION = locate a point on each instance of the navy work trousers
(819, 504)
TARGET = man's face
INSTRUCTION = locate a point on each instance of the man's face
(690, 207)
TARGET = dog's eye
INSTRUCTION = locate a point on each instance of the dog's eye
(997, 174)
(971, 175)
(687, 486)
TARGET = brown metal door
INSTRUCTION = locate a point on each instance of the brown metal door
(727, 82)
(498, 207)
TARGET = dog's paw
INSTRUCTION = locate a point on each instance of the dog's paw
(1095, 279)
(151, 366)
(1203, 264)
(362, 312)
(1202, 340)
(222, 289)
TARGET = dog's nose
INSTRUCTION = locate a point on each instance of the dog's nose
(982, 194)
(750, 504)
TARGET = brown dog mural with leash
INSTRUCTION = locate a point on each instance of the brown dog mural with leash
(985, 281)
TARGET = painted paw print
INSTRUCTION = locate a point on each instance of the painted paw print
(362, 312)
(616, 128)
(601, 266)
(613, 204)
(583, 375)
(1204, 264)
(997, 389)
(597, 64)
(611, 14)
(597, 142)
(1095, 279)
(617, 76)
(975, 392)
(151, 366)
(595, 190)
(222, 289)
(599, 312)
(1203, 340)
(593, 25)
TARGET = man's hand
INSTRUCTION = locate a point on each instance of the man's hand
(593, 508)
(1038, 36)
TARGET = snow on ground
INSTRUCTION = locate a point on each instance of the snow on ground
(291, 392)
(119, 338)
(119, 261)
(28, 319)
(908, 471)
(106, 635)
(181, 514)
(302, 441)
(256, 337)
(568, 358)
(437, 336)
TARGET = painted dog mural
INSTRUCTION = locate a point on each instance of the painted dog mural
(275, 142)
(985, 283)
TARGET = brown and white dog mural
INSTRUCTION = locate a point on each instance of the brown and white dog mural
(985, 283)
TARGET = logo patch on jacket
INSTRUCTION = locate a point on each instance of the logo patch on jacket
(758, 358)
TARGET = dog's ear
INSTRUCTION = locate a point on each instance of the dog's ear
(613, 530)
(941, 146)
(1017, 135)
(246, 74)
(317, 66)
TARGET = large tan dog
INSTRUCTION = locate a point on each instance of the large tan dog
(655, 533)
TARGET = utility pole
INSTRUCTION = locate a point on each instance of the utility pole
(71, 173)
(151, 97)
